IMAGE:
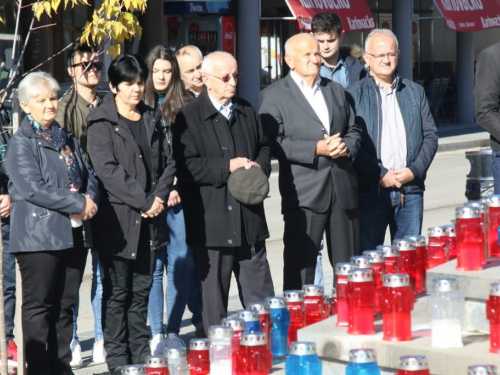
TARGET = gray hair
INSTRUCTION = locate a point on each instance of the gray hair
(384, 32)
(207, 66)
(187, 50)
(35, 84)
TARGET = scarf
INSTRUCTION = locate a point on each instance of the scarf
(57, 138)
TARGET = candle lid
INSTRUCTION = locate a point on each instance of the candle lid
(404, 244)
(199, 344)
(481, 205)
(495, 289)
(175, 353)
(449, 229)
(261, 307)
(413, 363)
(253, 339)
(302, 348)
(344, 268)
(249, 315)
(493, 201)
(334, 293)
(466, 212)
(482, 370)
(435, 232)
(389, 250)
(237, 324)
(360, 275)
(418, 239)
(158, 361)
(313, 290)
(276, 302)
(294, 295)
(362, 356)
(362, 261)
(378, 256)
(220, 332)
(445, 285)
(133, 369)
(396, 280)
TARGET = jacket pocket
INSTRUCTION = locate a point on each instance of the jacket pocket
(38, 213)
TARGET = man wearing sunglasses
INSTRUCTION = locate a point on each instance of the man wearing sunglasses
(216, 136)
(398, 144)
(84, 68)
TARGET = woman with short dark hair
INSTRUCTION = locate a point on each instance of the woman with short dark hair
(165, 90)
(132, 159)
(54, 194)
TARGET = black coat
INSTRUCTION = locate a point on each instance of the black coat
(40, 194)
(117, 160)
(203, 143)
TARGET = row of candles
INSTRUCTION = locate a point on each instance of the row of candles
(385, 280)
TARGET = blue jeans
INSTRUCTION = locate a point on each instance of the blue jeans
(183, 286)
(376, 212)
(495, 165)
(95, 297)
(9, 281)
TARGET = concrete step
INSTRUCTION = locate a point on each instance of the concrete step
(334, 344)
(475, 287)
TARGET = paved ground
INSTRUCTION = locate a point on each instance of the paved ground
(445, 190)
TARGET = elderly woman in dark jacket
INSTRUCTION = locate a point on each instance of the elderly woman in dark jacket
(133, 162)
(53, 193)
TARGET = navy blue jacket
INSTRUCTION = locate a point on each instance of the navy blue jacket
(421, 133)
(40, 195)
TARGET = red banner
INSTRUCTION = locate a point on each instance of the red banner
(355, 14)
(470, 15)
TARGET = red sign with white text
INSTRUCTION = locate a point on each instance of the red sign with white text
(470, 15)
(228, 35)
(355, 14)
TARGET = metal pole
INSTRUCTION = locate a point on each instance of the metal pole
(402, 20)
(465, 77)
(249, 50)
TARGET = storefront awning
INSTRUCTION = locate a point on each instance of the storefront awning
(196, 7)
(355, 14)
(470, 15)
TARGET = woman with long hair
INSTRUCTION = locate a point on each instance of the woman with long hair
(165, 89)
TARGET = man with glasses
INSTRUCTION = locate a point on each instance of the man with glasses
(311, 131)
(84, 68)
(398, 143)
(215, 135)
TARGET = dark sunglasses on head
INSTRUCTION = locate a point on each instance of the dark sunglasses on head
(227, 77)
(87, 65)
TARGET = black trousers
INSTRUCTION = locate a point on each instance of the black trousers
(50, 281)
(215, 266)
(302, 237)
(125, 296)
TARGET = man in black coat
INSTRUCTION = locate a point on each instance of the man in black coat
(311, 131)
(214, 135)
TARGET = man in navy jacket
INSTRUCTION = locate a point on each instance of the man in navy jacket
(398, 143)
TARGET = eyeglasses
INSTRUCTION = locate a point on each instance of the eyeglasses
(227, 77)
(87, 65)
(382, 56)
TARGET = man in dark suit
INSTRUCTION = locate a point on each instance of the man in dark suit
(214, 135)
(311, 131)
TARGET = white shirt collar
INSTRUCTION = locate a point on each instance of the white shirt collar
(225, 111)
(302, 83)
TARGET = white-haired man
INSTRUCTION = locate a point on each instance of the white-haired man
(190, 59)
(214, 135)
(398, 144)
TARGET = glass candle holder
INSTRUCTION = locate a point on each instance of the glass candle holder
(254, 358)
(265, 318)
(252, 320)
(397, 303)
(436, 248)
(177, 362)
(361, 301)
(470, 236)
(280, 320)
(421, 261)
(413, 365)
(362, 362)
(156, 365)
(296, 307)
(483, 207)
(408, 259)
(238, 326)
(493, 315)
(341, 270)
(221, 352)
(391, 258)
(303, 360)
(313, 303)
(482, 370)
(199, 356)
